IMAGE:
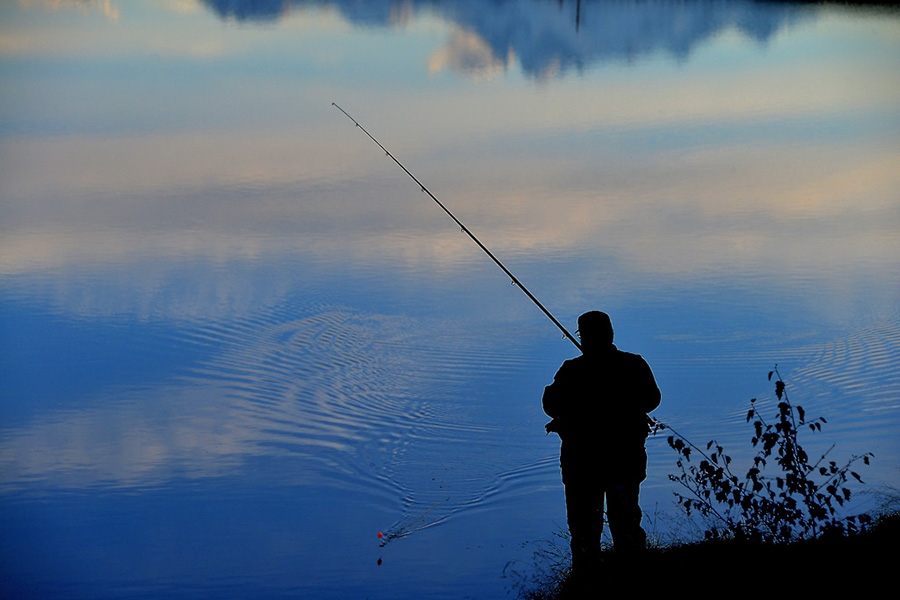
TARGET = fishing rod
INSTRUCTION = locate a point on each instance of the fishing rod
(514, 280)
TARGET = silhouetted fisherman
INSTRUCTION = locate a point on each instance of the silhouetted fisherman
(599, 404)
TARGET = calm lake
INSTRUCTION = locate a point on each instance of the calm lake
(237, 341)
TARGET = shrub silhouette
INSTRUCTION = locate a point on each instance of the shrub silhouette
(798, 502)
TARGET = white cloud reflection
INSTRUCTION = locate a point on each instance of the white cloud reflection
(467, 53)
(133, 199)
(118, 444)
(108, 8)
(318, 392)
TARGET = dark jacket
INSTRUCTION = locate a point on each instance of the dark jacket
(599, 404)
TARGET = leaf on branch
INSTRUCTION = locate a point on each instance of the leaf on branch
(795, 507)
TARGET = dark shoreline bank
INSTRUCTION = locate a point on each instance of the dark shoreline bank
(860, 563)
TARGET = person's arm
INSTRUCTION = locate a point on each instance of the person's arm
(555, 394)
(648, 393)
(555, 401)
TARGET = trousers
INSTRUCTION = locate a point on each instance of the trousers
(584, 514)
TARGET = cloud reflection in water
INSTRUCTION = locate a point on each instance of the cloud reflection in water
(547, 38)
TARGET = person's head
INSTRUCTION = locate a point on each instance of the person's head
(595, 330)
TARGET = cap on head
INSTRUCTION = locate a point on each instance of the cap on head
(595, 328)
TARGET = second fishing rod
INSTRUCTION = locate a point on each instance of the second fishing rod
(515, 280)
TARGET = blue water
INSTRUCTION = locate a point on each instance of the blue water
(238, 342)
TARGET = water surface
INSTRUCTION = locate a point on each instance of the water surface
(237, 341)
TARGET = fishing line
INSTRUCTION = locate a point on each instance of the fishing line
(513, 279)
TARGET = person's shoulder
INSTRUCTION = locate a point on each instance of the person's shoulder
(624, 354)
(631, 358)
(572, 363)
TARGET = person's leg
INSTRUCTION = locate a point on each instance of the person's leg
(624, 515)
(584, 513)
